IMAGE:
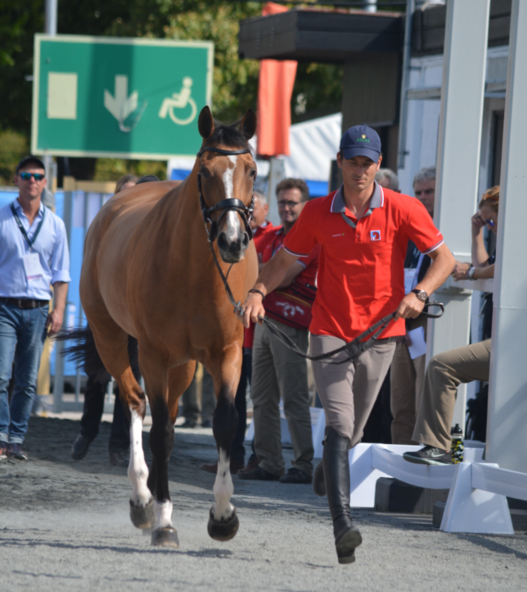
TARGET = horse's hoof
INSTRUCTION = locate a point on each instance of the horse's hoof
(142, 517)
(223, 531)
(165, 537)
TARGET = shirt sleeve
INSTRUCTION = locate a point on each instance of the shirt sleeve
(422, 230)
(60, 258)
(301, 239)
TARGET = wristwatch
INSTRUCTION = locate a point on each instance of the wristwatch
(470, 273)
(421, 295)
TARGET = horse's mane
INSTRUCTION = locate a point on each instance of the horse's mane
(228, 135)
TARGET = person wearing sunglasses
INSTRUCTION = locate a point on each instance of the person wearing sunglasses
(486, 216)
(446, 371)
(33, 257)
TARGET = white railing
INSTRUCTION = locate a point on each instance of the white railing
(477, 501)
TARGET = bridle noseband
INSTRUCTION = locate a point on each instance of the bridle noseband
(226, 205)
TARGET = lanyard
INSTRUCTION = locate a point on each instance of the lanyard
(23, 230)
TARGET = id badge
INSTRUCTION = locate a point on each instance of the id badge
(32, 266)
(409, 277)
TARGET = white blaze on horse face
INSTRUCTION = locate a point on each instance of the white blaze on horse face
(137, 469)
(222, 509)
(163, 511)
(232, 229)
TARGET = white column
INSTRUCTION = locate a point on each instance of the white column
(507, 420)
(458, 157)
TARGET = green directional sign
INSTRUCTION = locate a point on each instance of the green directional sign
(121, 98)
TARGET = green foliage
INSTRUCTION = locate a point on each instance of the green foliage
(13, 147)
(112, 169)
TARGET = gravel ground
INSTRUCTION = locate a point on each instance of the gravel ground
(64, 526)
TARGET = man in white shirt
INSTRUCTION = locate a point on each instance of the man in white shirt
(33, 255)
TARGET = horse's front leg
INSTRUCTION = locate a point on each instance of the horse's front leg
(223, 521)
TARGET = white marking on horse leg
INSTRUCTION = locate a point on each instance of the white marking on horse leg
(222, 509)
(137, 469)
(163, 511)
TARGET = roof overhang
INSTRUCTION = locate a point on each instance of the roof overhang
(320, 36)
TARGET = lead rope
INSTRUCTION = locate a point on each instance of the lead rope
(354, 348)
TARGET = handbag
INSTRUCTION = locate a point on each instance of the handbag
(292, 305)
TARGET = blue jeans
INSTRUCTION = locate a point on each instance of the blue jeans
(22, 335)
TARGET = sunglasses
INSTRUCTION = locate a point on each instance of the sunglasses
(27, 176)
(290, 204)
(425, 191)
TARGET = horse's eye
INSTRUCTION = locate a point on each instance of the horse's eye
(205, 173)
(252, 174)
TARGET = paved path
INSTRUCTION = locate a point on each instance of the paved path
(64, 526)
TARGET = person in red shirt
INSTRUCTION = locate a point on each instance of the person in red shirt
(363, 230)
(278, 372)
(259, 223)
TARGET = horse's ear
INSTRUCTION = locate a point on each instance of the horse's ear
(248, 124)
(206, 123)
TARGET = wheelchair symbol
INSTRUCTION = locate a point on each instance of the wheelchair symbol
(180, 100)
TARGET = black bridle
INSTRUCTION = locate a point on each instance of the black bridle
(226, 205)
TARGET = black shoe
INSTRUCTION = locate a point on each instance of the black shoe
(189, 424)
(119, 458)
(258, 474)
(319, 485)
(429, 456)
(80, 448)
(295, 475)
(206, 423)
(337, 480)
(15, 451)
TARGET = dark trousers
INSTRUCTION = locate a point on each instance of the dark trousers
(93, 410)
(240, 403)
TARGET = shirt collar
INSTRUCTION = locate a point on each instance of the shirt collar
(19, 209)
(338, 205)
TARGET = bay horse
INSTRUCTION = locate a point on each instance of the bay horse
(149, 273)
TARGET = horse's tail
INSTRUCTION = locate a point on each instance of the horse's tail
(84, 352)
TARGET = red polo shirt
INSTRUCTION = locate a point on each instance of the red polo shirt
(260, 233)
(361, 269)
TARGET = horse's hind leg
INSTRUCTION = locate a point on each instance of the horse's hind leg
(112, 345)
(225, 369)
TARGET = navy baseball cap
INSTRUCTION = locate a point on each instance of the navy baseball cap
(361, 140)
(34, 160)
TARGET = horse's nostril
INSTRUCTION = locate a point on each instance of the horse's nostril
(222, 241)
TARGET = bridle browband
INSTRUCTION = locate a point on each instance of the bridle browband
(226, 205)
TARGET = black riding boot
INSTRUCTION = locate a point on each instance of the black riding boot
(337, 480)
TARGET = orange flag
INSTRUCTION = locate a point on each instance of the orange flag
(275, 87)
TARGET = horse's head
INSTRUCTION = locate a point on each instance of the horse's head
(226, 175)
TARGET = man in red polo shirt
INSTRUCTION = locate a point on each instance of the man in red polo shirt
(363, 230)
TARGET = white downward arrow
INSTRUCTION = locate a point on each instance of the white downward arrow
(120, 106)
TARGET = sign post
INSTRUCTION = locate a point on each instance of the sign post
(119, 98)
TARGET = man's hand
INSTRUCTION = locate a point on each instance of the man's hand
(54, 321)
(410, 308)
(252, 309)
(460, 271)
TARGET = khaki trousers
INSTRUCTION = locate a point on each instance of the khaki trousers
(279, 372)
(348, 391)
(407, 378)
(444, 374)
